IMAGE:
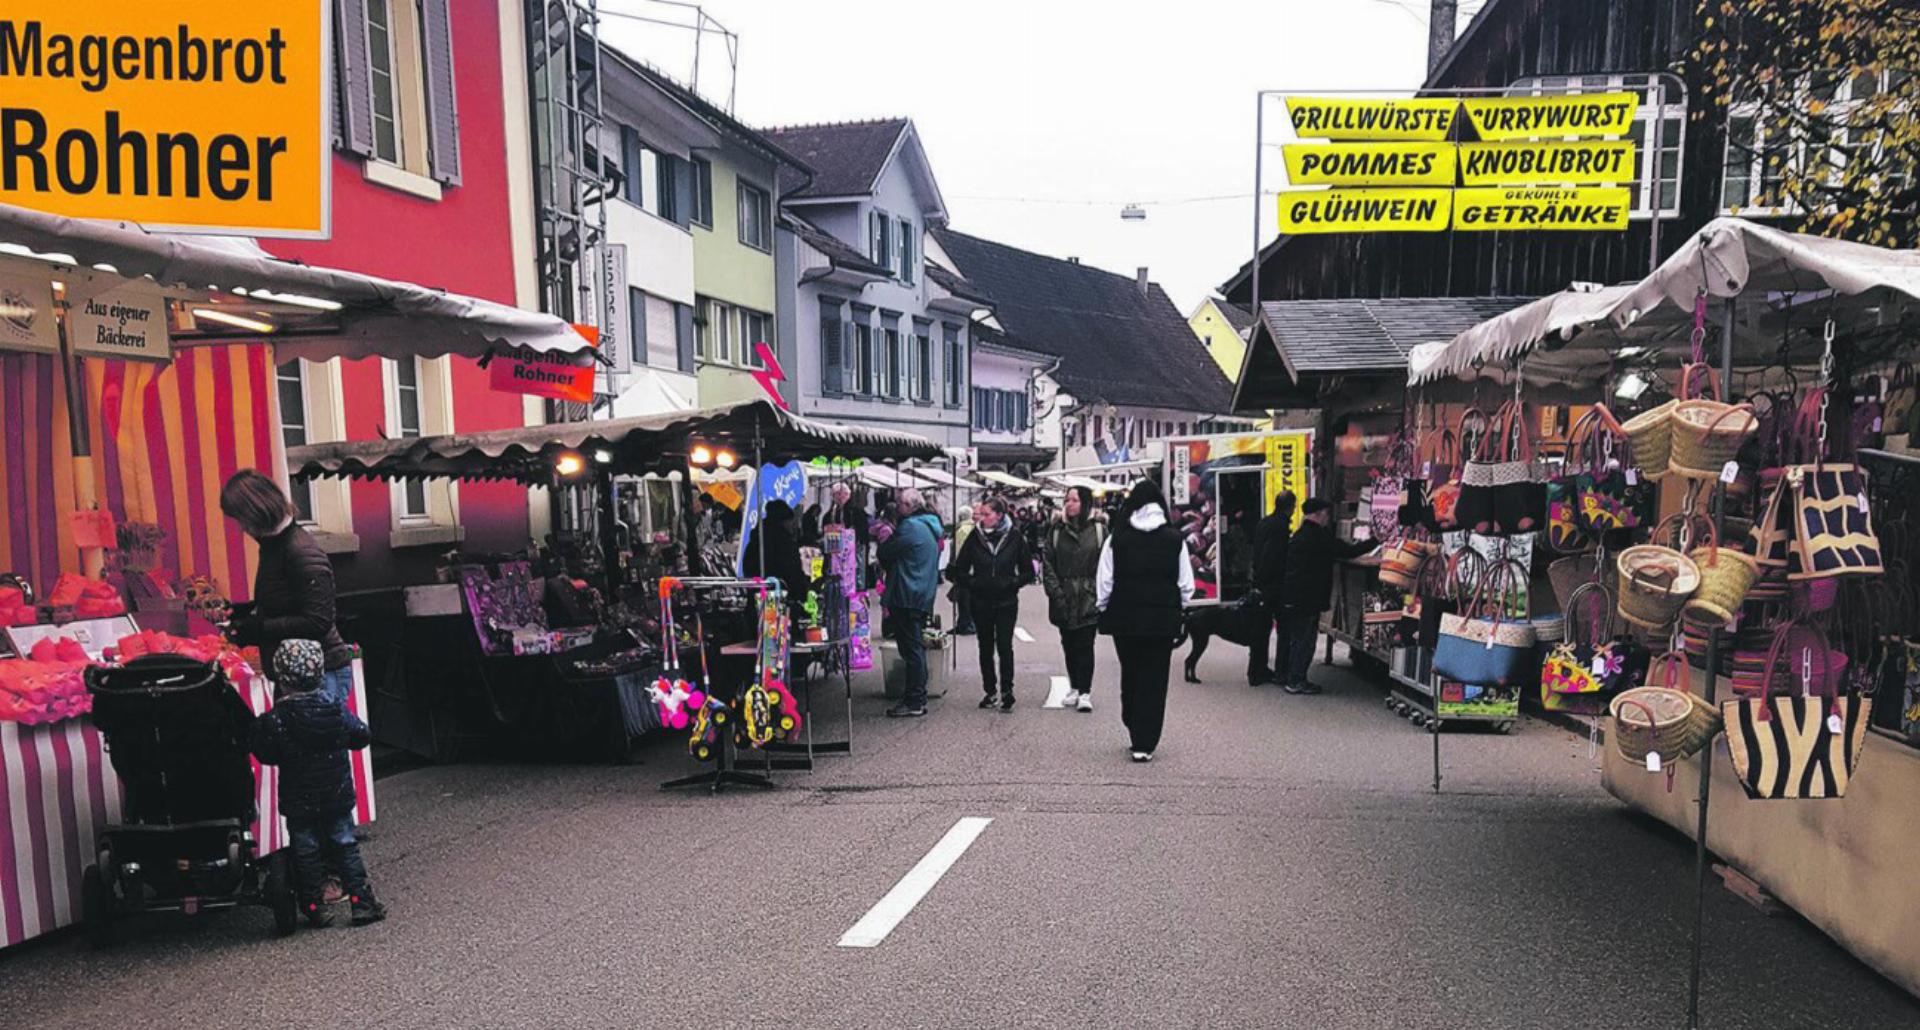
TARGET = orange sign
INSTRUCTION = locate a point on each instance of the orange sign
(209, 117)
(542, 378)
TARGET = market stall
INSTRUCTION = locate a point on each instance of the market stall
(136, 375)
(476, 661)
(1728, 541)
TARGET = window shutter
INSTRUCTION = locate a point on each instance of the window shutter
(683, 335)
(443, 119)
(630, 164)
(353, 91)
(832, 375)
(682, 193)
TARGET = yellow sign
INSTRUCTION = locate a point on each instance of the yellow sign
(1584, 115)
(1529, 164)
(1370, 164)
(1287, 468)
(1378, 210)
(1510, 210)
(209, 117)
(1326, 118)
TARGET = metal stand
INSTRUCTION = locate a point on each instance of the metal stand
(837, 654)
(725, 771)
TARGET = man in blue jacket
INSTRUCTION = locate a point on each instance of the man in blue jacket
(910, 558)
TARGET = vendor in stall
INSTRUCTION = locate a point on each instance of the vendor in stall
(293, 587)
(781, 546)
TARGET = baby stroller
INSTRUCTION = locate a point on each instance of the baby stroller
(177, 734)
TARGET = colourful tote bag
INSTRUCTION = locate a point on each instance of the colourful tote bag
(1796, 747)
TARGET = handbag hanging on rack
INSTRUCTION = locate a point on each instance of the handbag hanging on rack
(1796, 747)
(1581, 673)
(1611, 494)
(1500, 489)
(1487, 643)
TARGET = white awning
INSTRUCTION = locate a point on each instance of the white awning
(318, 312)
(1504, 337)
(996, 476)
(890, 478)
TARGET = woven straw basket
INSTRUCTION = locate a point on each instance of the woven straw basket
(1653, 583)
(1726, 575)
(1674, 723)
(1651, 435)
(1707, 434)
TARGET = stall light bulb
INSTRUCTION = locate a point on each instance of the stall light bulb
(603, 456)
(724, 459)
(1631, 387)
(568, 464)
(238, 321)
(701, 454)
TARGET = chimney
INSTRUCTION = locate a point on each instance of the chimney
(1073, 261)
(1140, 279)
(1440, 29)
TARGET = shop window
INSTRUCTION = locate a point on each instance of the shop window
(756, 218)
(291, 378)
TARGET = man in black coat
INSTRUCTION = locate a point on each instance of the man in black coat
(1269, 565)
(1306, 589)
(992, 566)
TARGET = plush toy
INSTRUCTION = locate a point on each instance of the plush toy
(676, 698)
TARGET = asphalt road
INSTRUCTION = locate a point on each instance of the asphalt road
(1283, 863)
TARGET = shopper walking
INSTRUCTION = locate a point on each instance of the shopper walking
(1070, 571)
(993, 565)
(1306, 589)
(1269, 569)
(1144, 580)
(910, 555)
(293, 592)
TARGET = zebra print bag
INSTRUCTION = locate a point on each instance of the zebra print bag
(1796, 747)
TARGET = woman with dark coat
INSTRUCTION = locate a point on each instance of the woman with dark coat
(293, 586)
(1144, 581)
(1070, 566)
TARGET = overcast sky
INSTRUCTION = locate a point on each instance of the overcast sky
(1044, 117)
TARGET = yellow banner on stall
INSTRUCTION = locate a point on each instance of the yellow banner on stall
(1287, 470)
(1328, 118)
(1583, 115)
(1375, 210)
(1531, 164)
(1512, 210)
(1370, 164)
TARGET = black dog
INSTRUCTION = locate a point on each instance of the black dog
(1237, 622)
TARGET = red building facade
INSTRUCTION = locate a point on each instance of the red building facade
(429, 186)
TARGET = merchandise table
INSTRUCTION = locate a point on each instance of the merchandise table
(58, 791)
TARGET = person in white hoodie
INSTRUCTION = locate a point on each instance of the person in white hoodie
(1144, 581)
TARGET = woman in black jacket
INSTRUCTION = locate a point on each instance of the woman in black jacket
(781, 557)
(1144, 582)
(293, 587)
(992, 566)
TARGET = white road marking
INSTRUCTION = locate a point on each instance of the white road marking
(1057, 694)
(1020, 633)
(898, 902)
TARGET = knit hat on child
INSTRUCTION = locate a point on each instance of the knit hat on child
(298, 665)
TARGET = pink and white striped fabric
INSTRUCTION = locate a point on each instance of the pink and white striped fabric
(58, 791)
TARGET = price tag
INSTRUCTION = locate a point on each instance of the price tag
(1863, 501)
(1599, 665)
(1489, 641)
(1653, 761)
(1835, 724)
(1876, 421)
(1730, 472)
(1633, 477)
(1426, 470)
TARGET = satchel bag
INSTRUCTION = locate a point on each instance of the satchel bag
(1484, 645)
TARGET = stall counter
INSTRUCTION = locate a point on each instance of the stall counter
(1844, 864)
(58, 790)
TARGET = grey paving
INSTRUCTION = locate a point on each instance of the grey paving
(1284, 863)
